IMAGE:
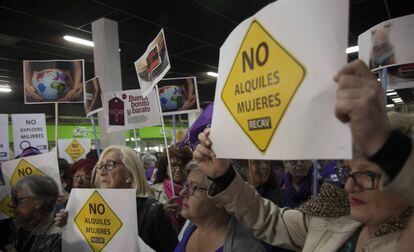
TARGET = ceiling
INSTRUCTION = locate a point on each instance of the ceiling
(194, 31)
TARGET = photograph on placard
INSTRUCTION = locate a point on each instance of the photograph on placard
(50, 81)
(178, 95)
(400, 77)
(93, 102)
(388, 43)
(152, 66)
(4, 137)
(129, 109)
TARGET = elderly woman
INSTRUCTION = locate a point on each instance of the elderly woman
(212, 228)
(375, 223)
(32, 201)
(264, 180)
(179, 158)
(82, 170)
(119, 167)
(297, 183)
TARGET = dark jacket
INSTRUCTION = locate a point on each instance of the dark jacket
(154, 226)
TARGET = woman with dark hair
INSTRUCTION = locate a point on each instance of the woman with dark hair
(264, 180)
(179, 158)
(81, 173)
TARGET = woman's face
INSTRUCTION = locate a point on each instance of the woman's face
(112, 173)
(24, 205)
(370, 206)
(297, 168)
(260, 172)
(177, 171)
(198, 205)
(81, 179)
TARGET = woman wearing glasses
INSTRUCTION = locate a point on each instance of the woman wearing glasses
(119, 167)
(376, 219)
(297, 184)
(212, 228)
(82, 171)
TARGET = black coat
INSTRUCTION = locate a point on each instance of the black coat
(154, 226)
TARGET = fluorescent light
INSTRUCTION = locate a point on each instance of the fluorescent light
(397, 99)
(212, 74)
(352, 49)
(78, 40)
(391, 93)
(390, 90)
(390, 105)
(5, 89)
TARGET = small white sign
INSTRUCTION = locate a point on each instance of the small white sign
(74, 149)
(275, 93)
(29, 130)
(153, 65)
(101, 220)
(125, 110)
(4, 137)
(42, 164)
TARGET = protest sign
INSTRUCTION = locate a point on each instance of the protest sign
(101, 219)
(5, 211)
(51, 81)
(4, 137)
(124, 110)
(42, 164)
(29, 130)
(388, 43)
(93, 102)
(153, 65)
(275, 92)
(178, 95)
(74, 149)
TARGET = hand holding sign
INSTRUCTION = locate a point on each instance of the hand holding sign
(360, 101)
(205, 157)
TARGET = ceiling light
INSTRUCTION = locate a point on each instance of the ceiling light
(390, 90)
(212, 74)
(78, 40)
(397, 99)
(352, 49)
(390, 105)
(391, 93)
(5, 89)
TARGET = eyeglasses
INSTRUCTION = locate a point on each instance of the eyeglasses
(79, 177)
(108, 166)
(17, 200)
(191, 189)
(364, 179)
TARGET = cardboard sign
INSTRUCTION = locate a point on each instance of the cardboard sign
(43, 164)
(29, 130)
(4, 137)
(388, 43)
(5, 211)
(153, 65)
(178, 95)
(275, 94)
(51, 81)
(73, 149)
(93, 102)
(101, 219)
(128, 109)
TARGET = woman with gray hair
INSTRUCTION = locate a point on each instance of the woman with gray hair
(33, 229)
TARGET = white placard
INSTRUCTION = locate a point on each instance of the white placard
(42, 164)
(4, 138)
(388, 43)
(125, 110)
(74, 149)
(29, 130)
(153, 65)
(275, 93)
(117, 211)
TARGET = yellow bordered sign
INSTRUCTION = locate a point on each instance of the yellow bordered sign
(97, 222)
(74, 150)
(260, 85)
(23, 169)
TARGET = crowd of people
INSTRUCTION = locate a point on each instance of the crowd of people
(208, 204)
